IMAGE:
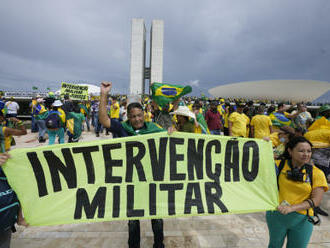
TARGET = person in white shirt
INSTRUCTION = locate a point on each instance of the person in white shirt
(12, 107)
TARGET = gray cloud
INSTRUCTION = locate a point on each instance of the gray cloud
(214, 42)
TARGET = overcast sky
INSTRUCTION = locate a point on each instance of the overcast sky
(206, 43)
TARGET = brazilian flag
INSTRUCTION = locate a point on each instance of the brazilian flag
(279, 119)
(163, 94)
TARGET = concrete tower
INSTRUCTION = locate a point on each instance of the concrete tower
(138, 70)
(156, 51)
(138, 51)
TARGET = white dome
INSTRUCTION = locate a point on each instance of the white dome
(294, 90)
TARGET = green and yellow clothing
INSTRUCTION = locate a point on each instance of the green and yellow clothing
(221, 109)
(297, 192)
(202, 127)
(319, 133)
(62, 115)
(261, 124)
(74, 123)
(40, 112)
(83, 109)
(147, 116)
(34, 103)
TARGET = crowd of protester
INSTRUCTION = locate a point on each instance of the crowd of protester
(298, 138)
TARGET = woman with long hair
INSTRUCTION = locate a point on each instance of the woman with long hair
(301, 188)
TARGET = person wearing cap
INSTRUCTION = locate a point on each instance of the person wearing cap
(49, 100)
(40, 113)
(134, 126)
(182, 115)
(57, 129)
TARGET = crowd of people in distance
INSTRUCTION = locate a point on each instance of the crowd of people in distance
(300, 140)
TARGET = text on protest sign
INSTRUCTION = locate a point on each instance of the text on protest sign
(149, 176)
(75, 91)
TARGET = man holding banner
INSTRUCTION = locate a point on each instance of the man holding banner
(135, 125)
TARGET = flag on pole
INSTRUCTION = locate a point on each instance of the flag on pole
(166, 93)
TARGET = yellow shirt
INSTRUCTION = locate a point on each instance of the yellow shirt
(221, 109)
(247, 123)
(261, 124)
(34, 102)
(297, 192)
(7, 140)
(226, 120)
(274, 138)
(239, 123)
(114, 113)
(147, 117)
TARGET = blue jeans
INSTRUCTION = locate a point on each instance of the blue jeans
(42, 128)
(53, 133)
(87, 124)
(97, 125)
(34, 127)
(215, 131)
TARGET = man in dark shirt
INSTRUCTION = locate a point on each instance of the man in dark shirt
(213, 119)
(135, 125)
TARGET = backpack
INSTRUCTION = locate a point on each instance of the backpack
(9, 205)
(53, 120)
(309, 171)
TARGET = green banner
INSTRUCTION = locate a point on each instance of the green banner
(75, 91)
(152, 176)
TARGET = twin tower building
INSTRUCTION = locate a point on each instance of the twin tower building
(139, 70)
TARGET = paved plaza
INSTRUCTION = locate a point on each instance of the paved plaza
(241, 230)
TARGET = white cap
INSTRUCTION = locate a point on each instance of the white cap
(185, 111)
(57, 103)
